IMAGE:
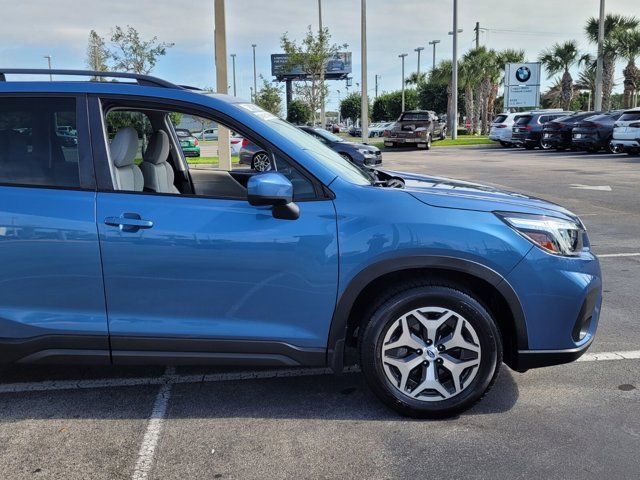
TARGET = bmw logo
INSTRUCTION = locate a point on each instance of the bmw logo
(523, 74)
(431, 354)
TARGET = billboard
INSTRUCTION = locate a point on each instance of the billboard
(522, 85)
(338, 67)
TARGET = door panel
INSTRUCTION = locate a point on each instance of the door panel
(51, 273)
(213, 268)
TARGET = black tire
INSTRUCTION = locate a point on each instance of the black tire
(443, 133)
(505, 144)
(428, 147)
(403, 300)
(611, 148)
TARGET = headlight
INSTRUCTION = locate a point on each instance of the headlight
(554, 235)
(364, 151)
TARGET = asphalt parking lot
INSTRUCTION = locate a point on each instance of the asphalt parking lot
(580, 420)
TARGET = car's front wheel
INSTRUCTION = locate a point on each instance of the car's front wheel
(430, 351)
(261, 162)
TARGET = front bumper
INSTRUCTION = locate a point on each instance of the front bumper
(561, 298)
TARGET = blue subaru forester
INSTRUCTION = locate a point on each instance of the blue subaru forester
(115, 251)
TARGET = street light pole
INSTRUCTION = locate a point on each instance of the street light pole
(434, 43)
(597, 101)
(48, 57)
(323, 120)
(255, 79)
(402, 56)
(233, 61)
(377, 77)
(454, 67)
(364, 98)
(419, 49)
(220, 35)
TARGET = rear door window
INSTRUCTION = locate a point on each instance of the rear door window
(39, 142)
(500, 119)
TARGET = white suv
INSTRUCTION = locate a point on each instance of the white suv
(626, 132)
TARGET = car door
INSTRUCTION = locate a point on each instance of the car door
(214, 278)
(52, 298)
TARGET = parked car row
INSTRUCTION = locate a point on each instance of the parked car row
(613, 131)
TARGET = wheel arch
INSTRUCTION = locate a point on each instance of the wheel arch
(486, 284)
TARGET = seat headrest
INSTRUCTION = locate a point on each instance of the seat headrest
(158, 149)
(124, 147)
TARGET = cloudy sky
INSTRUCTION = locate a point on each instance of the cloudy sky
(30, 29)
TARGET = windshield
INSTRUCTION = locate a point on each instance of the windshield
(327, 135)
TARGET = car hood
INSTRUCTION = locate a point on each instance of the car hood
(451, 193)
(356, 145)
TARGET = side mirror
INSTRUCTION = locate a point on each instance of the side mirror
(272, 188)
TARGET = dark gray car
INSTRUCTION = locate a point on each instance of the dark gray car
(358, 153)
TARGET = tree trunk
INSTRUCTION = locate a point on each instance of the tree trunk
(486, 94)
(608, 71)
(449, 108)
(468, 104)
(631, 74)
(491, 104)
(567, 90)
(477, 109)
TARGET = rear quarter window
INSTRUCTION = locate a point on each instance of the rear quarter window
(523, 120)
(500, 119)
(629, 117)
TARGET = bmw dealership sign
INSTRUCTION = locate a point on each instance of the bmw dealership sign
(522, 85)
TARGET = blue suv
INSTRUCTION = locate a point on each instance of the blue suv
(114, 250)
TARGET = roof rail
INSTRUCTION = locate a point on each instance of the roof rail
(145, 80)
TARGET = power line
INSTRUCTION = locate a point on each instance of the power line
(526, 32)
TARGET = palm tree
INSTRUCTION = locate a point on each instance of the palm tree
(416, 78)
(560, 58)
(473, 70)
(628, 43)
(442, 74)
(612, 23)
(587, 77)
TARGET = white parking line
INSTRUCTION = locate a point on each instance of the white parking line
(154, 428)
(604, 356)
(618, 255)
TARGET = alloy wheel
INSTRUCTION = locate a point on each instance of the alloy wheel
(261, 162)
(431, 354)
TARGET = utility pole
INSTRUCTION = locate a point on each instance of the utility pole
(48, 57)
(255, 79)
(419, 49)
(233, 61)
(402, 56)
(434, 43)
(323, 120)
(339, 104)
(377, 77)
(364, 98)
(454, 68)
(220, 35)
(597, 101)
(477, 30)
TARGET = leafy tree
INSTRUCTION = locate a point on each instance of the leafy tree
(269, 97)
(310, 56)
(97, 53)
(612, 23)
(432, 96)
(388, 106)
(351, 106)
(133, 54)
(298, 112)
(560, 58)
